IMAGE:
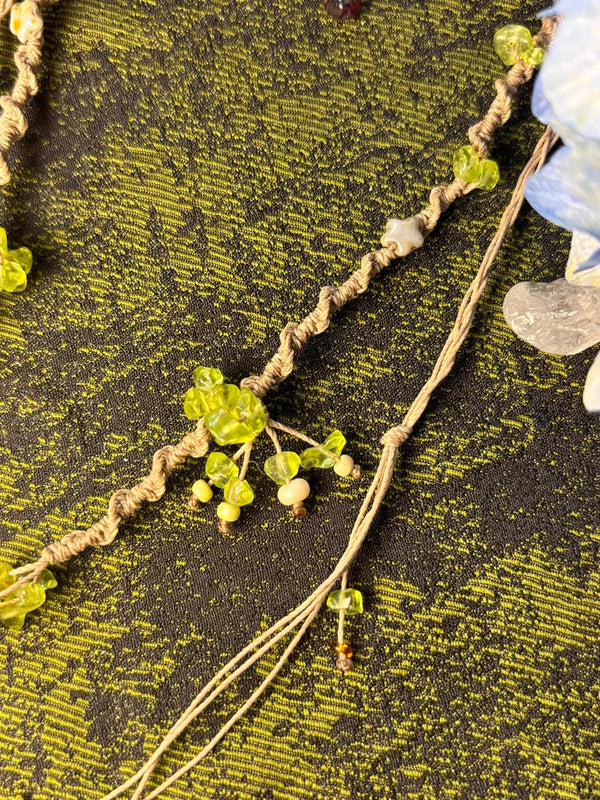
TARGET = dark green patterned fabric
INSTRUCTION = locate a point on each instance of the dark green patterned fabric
(194, 172)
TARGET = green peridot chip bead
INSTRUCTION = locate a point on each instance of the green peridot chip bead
(26, 598)
(512, 43)
(16, 265)
(195, 403)
(220, 469)
(535, 57)
(315, 457)
(467, 165)
(238, 493)
(490, 174)
(348, 600)
(238, 415)
(206, 378)
(282, 467)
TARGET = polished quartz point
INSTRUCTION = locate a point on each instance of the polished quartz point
(343, 9)
(555, 317)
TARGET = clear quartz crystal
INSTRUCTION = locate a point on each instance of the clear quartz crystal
(555, 317)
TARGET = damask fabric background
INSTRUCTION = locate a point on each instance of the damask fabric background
(194, 172)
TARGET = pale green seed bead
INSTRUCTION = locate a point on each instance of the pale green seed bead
(344, 466)
(348, 600)
(490, 174)
(467, 165)
(202, 491)
(512, 43)
(228, 512)
(282, 467)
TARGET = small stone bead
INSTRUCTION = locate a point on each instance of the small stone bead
(348, 600)
(221, 469)
(343, 9)
(293, 492)
(344, 466)
(512, 43)
(282, 467)
(202, 491)
(343, 663)
(490, 174)
(238, 493)
(228, 512)
(25, 20)
(405, 234)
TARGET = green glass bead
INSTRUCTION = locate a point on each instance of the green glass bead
(206, 378)
(220, 469)
(195, 403)
(467, 165)
(490, 174)
(238, 415)
(512, 43)
(47, 580)
(238, 493)
(282, 467)
(15, 606)
(535, 57)
(6, 580)
(348, 600)
(16, 265)
(315, 457)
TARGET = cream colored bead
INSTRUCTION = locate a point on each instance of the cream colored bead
(228, 512)
(293, 492)
(25, 20)
(405, 234)
(344, 466)
(202, 491)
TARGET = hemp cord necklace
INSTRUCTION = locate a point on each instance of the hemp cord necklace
(400, 238)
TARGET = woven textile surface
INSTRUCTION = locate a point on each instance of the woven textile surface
(193, 173)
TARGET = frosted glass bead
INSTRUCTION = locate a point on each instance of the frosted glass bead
(220, 469)
(282, 467)
(202, 491)
(344, 466)
(348, 600)
(293, 492)
(405, 234)
(228, 512)
(315, 457)
(25, 20)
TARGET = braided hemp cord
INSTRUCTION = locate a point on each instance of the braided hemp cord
(125, 502)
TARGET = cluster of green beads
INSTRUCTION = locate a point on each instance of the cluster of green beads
(231, 415)
(236, 416)
(25, 598)
(16, 265)
(223, 473)
(481, 171)
(514, 43)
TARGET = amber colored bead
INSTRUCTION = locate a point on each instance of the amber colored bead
(342, 649)
(343, 9)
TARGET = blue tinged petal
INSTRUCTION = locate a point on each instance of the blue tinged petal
(539, 102)
(567, 191)
(591, 263)
(570, 8)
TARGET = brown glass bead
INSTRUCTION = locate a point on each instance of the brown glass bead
(343, 9)
(342, 649)
(299, 510)
(357, 472)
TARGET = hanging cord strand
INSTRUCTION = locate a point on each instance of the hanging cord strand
(391, 441)
(125, 502)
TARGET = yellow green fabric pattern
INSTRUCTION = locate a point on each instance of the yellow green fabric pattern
(193, 173)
